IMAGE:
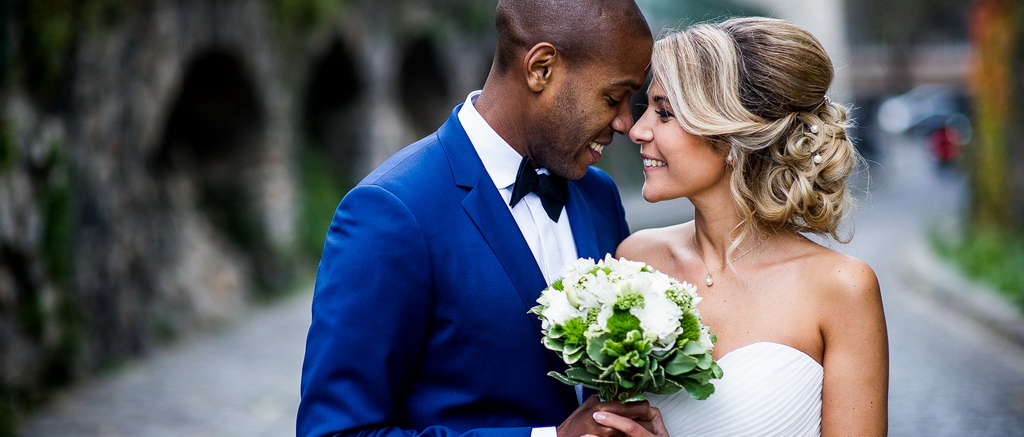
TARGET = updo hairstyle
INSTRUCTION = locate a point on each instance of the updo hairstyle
(756, 88)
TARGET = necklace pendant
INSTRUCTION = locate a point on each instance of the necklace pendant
(709, 281)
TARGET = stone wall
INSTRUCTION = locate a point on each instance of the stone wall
(162, 182)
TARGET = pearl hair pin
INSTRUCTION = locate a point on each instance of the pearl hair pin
(816, 158)
(814, 128)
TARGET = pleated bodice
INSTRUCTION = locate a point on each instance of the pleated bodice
(767, 389)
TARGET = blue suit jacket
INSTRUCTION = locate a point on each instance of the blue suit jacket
(420, 323)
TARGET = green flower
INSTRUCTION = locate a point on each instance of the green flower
(629, 300)
(573, 332)
(621, 323)
(691, 327)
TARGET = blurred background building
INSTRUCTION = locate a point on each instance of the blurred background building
(164, 164)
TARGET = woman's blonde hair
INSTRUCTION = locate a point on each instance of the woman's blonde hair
(756, 88)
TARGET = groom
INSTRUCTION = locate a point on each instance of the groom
(420, 323)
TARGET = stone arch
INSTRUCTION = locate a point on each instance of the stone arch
(212, 141)
(423, 85)
(334, 145)
(332, 116)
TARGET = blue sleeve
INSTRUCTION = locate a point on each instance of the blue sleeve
(371, 311)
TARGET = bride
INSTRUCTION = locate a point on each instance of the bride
(738, 122)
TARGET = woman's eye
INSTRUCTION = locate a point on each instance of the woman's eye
(663, 113)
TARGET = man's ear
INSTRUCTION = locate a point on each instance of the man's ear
(538, 64)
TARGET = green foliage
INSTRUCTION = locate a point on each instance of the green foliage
(621, 323)
(321, 188)
(691, 327)
(46, 35)
(992, 257)
(304, 15)
(995, 81)
(58, 217)
(630, 300)
(10, 399)
(625, 368)
(574, 330)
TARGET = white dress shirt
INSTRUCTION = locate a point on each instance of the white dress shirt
(551, 242)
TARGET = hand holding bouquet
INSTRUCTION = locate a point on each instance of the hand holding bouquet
(625, 330)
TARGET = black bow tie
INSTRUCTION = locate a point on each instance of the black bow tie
(553, 190)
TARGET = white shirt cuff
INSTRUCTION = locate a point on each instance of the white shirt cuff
(549, 431)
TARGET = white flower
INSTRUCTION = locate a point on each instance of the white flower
(557, 308)
(659, 318)
(625, 267)
(705, 338)
(602, 318)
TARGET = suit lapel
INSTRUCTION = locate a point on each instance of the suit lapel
(501, 232)
(582, 223)
(487, 210)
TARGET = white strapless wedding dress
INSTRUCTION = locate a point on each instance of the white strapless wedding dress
(767, 389)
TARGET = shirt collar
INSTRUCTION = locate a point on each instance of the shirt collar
(500, 160)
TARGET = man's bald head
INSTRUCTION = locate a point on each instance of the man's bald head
(581, 30)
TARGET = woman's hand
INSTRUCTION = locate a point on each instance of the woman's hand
(634, 419)
(630, 427)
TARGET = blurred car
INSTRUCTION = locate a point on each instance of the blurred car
(938, 113)
(921, 110)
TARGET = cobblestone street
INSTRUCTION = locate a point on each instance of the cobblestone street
(240, 381)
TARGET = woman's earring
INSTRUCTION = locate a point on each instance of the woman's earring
(728, 158)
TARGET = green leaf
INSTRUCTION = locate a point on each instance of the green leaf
(680, 364)
(573, 349)
(573, 357)
(595, 350)
(561, 378)
(657, 376)
(580, 375)
(641, 396)
(716, 371)
(704, 361)
(553, 344)
(693, 348)
(669, 387)
(699, 391)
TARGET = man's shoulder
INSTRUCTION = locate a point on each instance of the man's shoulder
(406, 160)
(424, 164)
(596, 181)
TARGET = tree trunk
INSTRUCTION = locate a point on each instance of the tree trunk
(996, 202)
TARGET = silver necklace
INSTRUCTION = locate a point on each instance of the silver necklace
(709, 280)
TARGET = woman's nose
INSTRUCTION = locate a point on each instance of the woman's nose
(640, 133)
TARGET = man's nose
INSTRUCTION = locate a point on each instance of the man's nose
(623, 121)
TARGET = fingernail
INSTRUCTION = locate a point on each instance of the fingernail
(599, 415)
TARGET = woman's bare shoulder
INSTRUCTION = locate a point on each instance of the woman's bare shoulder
(642, 243)
(843, 278)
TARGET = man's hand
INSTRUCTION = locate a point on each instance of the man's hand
(635, 419)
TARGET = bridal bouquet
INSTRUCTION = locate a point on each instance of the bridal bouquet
(625, 330)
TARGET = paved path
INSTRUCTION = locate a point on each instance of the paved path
(241, 381)
(950, 376)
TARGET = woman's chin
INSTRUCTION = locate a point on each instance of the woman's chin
(649, 194)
